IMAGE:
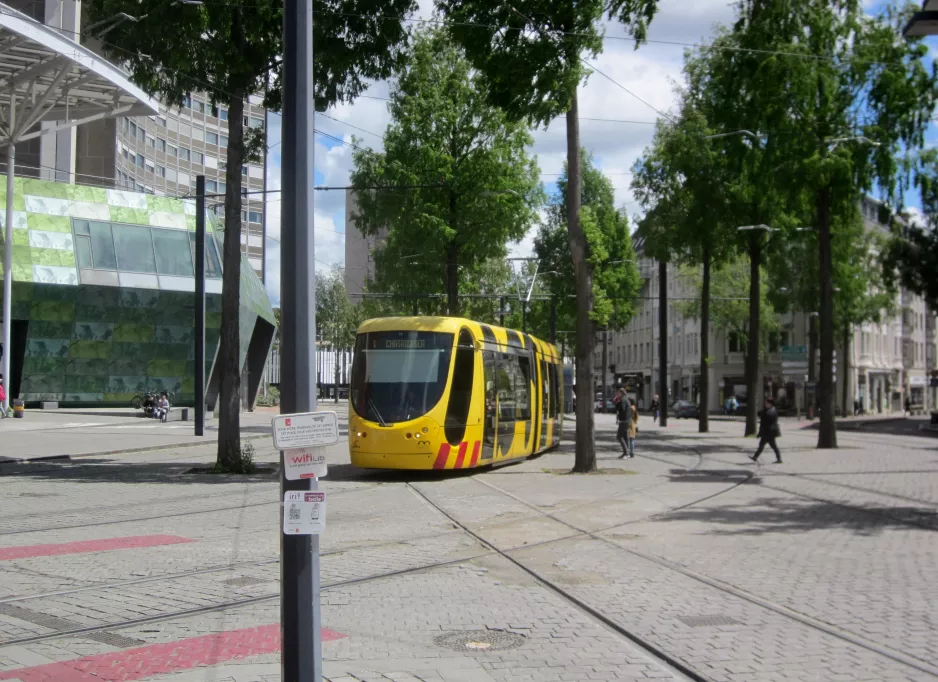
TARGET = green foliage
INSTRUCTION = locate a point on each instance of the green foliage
(337, 319)
(272, 399)
(529, 51)
(910, 257)
(478, 187)
(729, 307)
(240, 461)
(615, 282)
(209, 49)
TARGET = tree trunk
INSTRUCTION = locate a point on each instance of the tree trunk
(704, 424)
(827, 434)
(229, 417)
(585, 460)
(662, 342)
(812, 346)
(844, 389)
(753, 401)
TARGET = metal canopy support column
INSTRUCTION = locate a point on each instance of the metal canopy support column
(200, 305)
(8, 256)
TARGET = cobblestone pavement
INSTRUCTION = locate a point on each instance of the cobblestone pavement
(688, 561)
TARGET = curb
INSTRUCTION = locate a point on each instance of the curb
(123, 451)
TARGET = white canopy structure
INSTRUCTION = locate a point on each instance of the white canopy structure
(47, 77)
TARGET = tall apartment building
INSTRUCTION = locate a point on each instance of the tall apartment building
(359, 251)
(883, 364)
(158, 154)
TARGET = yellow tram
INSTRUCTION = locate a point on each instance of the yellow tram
(449, 393)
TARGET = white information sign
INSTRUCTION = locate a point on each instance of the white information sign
(301, 463)
(304, 512)
(307, 430)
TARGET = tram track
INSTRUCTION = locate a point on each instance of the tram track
(815, 623)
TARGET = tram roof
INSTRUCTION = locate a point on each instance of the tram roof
(450, 325)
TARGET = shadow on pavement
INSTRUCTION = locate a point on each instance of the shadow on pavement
(777, 515)
(90, 470)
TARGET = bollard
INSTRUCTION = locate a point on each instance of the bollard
(18, 409)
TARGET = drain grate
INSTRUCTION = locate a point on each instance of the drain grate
(37, 618)
(708, 621)
(245, 580)
(115, 640)
(479, 640)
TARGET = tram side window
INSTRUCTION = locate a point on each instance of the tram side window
(523, 387)
(505, 386)
(460, 397)
(554, 388)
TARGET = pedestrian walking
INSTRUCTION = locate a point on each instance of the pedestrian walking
(633, 429)
(624, 411)
(654, 406)
(908, 406)
(768, 431)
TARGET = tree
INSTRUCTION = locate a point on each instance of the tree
(683, 179)
(230, 51)
(529, 54)
(457, 181)
(910, 258)
(337, 319)
(729, 309)
(821, 83)
(611, 257)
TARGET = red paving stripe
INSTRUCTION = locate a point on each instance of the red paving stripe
(442, 456)
(29, 551)
(161, 659)
(461, 456)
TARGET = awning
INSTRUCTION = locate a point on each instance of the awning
(48, 77)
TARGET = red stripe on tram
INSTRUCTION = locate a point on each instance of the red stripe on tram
(441, 457)
(475, 454)
(461, 457)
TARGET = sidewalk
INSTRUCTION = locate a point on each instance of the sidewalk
(89, 431)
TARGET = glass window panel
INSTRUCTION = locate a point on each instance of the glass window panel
(83, 248)
(134, 248)
(173, 256)
(211, 138)
(171, 150)
(102, 246)
(81, 226)
(222, 140)
(212, 267)
(183, 153)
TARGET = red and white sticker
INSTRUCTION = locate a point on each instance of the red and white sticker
(300, 463)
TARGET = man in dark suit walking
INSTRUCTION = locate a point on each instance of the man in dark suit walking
(768, 431)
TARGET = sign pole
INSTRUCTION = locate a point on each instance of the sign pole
(300, 620)
(200, 305)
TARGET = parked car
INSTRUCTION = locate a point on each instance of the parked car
(604, 406)
(684, 409)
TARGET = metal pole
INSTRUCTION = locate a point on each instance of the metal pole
(605, 360)
(300, 616)
(553, 320)
(663, 333)
(8, 266)
(524, 317)
(501, 312)
(200, 305)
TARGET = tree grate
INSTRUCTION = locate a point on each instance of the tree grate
(37, 618)
(479, 640)
(708, 621)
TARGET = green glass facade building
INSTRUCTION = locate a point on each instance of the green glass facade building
(103, 297)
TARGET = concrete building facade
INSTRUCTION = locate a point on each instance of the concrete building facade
(359, 251)
(883, 364)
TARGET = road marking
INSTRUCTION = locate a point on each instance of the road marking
(161, 659)
(82, 546)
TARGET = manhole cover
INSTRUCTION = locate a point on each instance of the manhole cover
(479, 640)
(245, 581)
(708, 621)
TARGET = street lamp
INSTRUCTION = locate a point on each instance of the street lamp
(746, 133)
(751, 228)
(854, 138)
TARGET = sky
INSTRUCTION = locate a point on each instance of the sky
(651, 75)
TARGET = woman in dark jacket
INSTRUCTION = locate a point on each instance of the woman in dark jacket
(768, 431)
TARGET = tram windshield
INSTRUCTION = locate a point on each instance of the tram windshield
(399, 375)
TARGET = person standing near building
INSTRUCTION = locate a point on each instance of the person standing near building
(624, 411)
(769, 430)
(633, 427)
(654, 406)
